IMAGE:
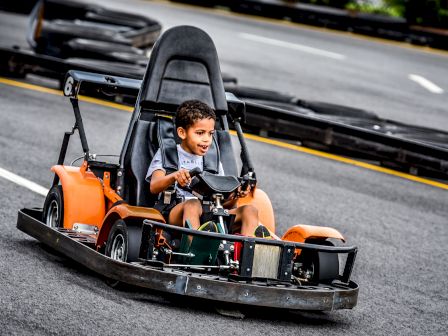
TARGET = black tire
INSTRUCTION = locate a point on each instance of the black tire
(53, 214)
(324, 265)
(130, 238)
(123, 242)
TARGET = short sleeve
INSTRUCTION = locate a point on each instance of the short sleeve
(156, 164)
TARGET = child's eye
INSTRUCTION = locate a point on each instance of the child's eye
(200, 132)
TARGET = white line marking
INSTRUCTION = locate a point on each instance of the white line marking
(428, 85)
(23, 182)
(294, 46)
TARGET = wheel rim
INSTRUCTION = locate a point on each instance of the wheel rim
(118, 249)
(52, 219)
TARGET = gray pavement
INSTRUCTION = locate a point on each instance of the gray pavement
(400, 226)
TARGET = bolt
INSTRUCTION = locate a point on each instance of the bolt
(286, 273)
(120, 173)
(248, 269)
(289, 250)
(250, 247)
(198, 287)
(232, 247)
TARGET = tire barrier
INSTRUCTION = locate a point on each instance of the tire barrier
(382, 26)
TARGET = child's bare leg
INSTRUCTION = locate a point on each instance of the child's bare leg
(191, 210)
(247, 217)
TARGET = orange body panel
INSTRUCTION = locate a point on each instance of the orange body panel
(259, 199)
(83, 196)
(127, 213)
(300, 233)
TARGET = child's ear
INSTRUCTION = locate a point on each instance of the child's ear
(181, 133)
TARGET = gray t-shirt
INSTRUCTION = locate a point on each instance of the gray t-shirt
(186, 161)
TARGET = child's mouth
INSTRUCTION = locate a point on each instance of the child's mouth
(203, 147)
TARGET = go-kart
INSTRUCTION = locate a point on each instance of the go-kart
(103, 215)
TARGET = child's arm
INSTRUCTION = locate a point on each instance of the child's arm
(160, 181)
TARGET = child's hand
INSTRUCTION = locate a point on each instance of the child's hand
(182, 177)
(243, 193)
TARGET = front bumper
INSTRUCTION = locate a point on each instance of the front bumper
(211, 287)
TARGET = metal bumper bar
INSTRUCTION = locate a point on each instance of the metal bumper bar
(322, 298)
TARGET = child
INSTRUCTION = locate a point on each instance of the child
(195, 123)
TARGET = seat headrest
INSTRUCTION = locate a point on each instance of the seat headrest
(184, 65)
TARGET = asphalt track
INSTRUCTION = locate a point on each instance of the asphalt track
(400, 226)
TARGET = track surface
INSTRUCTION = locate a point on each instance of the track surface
(399, 226)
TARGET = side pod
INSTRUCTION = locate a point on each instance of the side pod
(300, 233)
(132, 215)
(83, 195)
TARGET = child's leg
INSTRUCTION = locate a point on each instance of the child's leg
(191, 210)
(246, 216)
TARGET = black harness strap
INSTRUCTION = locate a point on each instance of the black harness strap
(212, 158)
(167, 144)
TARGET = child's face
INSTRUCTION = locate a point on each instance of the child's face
(197, 138)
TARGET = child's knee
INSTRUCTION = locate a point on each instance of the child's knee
(193, 205)
(249, 210)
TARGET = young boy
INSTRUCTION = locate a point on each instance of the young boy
(195, 124)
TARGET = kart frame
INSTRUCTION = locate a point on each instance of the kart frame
(187, 283)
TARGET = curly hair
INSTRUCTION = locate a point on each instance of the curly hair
(191, 111)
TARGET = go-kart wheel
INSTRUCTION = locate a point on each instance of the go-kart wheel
(123, 243)
(53, 214)
(323, 267)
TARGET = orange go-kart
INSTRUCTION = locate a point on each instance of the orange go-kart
(103, 216)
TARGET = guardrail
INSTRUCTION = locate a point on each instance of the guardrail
(363, 23)
(417, 158)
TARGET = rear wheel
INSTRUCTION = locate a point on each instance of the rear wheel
(53, 214)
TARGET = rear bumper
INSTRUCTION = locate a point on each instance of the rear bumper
(320, 298)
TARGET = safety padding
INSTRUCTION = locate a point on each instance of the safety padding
(83, 195)
(261, 201)
(132, 215)
(300, 233)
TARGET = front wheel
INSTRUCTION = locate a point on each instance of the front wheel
(123, 244)
(53, 214)
(318, 267)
